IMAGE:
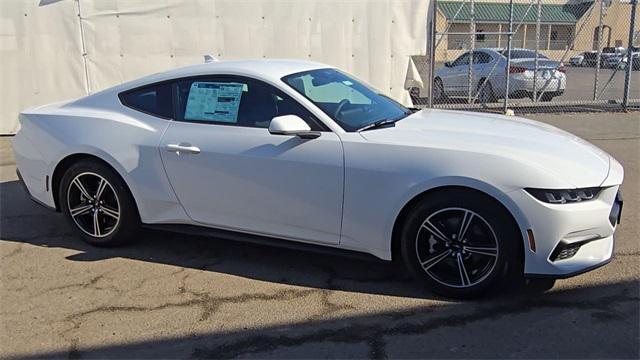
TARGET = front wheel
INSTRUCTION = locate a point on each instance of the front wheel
(459, 242)
(97, 204)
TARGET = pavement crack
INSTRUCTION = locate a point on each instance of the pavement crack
(328, 307)
(373, 334)
(206, 302)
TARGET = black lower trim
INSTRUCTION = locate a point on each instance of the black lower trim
(261, 240)
(26, 190)
(566, 276)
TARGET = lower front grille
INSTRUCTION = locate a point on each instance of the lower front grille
(565, 251)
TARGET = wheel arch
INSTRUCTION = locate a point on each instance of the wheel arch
(65, 163)
(516, 215)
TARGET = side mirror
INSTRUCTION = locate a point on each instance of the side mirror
(447, 64)
(291, 125)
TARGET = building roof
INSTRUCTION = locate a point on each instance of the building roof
(499, 12)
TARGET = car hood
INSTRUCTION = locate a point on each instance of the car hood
(533, 143)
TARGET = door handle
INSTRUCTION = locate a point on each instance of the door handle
(183, 147)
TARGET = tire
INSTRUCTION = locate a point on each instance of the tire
(114, 208)
(438, 90)
(487, 95)
(546, 97)
(488, 249)
(538, 285)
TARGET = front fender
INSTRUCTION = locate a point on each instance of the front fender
(459, 181)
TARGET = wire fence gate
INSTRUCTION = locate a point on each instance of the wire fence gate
(551, 54)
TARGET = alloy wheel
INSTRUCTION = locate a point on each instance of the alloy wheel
(93, 205)
(456, 247)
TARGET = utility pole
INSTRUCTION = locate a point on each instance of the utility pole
(627, 78)
(506, 70)
(472, 45)
(535, 65)
(599, 42)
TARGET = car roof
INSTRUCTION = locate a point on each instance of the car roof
(500, 50)
(265, 69)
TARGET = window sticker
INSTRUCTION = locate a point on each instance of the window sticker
(214, 101)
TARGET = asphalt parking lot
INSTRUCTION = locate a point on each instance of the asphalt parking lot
(580, 82)
(171, 296)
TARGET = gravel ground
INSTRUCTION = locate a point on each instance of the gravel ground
(174, 296)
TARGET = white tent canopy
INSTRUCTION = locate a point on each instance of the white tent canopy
(55, 50)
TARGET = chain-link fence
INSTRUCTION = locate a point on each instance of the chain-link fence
(501, 54)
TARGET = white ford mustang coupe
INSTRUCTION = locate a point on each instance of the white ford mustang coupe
(300, 154)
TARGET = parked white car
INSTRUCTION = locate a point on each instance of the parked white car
(294, 152)
(619, 61)
(579, 59)
(612, 52)
(488, 72)
(613, 62)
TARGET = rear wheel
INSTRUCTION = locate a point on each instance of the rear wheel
(459, 242)
(546, 97)
(438, 90)
(98, 204)
(487, 95)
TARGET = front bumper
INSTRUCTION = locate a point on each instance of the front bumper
(570, 239)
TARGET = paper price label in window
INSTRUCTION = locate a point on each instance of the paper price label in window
(213, 101)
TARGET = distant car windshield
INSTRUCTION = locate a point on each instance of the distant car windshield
(523, 54)
(347, 101)
(609, 50)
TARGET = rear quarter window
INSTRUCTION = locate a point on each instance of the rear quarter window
(154, 100)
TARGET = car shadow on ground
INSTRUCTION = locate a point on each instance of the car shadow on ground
(589, 322)
(517, 324)
(22, 220)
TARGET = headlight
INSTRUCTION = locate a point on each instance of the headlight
(563, 196)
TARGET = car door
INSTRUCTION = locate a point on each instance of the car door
(229, 172)
(483, 68)
(458, 74)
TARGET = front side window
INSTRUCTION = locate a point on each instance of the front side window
(154, 100)
(348, 102)
(238, 102)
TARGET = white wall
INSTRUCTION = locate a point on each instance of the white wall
(42, 42)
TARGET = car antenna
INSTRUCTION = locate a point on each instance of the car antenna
(209, 59)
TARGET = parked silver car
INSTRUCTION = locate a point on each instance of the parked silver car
(488, 80)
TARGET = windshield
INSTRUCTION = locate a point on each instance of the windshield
(524, 54)
(348, 102)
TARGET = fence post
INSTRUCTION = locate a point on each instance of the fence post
(599, 42)
(506, 70)
(432, 51)
(627, 78)
(535, 66)
(84, 49)
(472, 46)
